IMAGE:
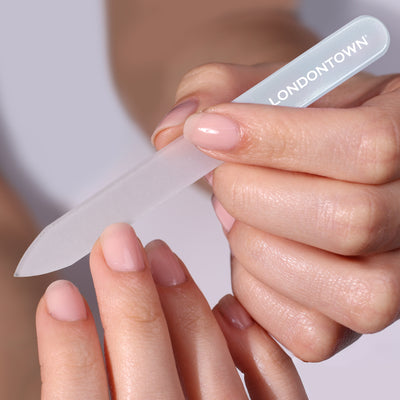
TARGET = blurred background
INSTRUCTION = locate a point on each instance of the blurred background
(64, 134)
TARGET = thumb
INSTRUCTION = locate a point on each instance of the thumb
(206, 86)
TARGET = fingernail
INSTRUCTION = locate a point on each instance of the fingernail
(234, 313)
(212, 131)
(164, 264)
(121, 248)
(176, 116)
(224, 217)
(210, 178)
(64, 302)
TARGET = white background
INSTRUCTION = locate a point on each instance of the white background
(63, 135)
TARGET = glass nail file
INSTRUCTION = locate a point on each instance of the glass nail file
(178, 165)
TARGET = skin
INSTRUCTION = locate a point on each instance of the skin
(327, 271)
(146, 77)
(146, 73)
(162, 340)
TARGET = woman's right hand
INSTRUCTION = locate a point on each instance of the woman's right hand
(162, 341)
(308, 200)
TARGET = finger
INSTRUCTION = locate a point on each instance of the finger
(139, 352)
(360, 293)
(356, 144)
(70, 355)
(216, 83)
(355, 91)
(204, 86)
(337, 216)
(269, 372)
(307, 333)
(195, 334)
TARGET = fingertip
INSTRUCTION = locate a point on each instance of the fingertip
(41, 310)
(64, 302)
(68, 343)
(166, 136)
(226, 220)
(266, 367)
(172, 120)
(166, 267)
(122, 249)
(212, 131)
(234, 313)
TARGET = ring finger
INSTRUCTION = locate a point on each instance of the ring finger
(195, 333)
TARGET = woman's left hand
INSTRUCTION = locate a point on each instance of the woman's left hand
(162, 341)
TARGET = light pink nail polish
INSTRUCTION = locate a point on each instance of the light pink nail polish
(64, 302)
(210, 178)
(212, 131)
(176, 116)
(224, 217)
(234, 313)
(165, 265)
(121, 248)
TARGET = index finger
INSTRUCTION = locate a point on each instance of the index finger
(357, 144)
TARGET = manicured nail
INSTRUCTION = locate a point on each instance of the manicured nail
(234, 313)
(64, 302)
(176, 116)
(210, 178)
(121, 248)
(212, 131)
(224, 217)
(165, 266)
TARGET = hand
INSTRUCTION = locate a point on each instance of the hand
(308, 199)
(162, 341)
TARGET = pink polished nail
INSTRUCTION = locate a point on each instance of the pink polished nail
(176, 116)
(121, 248)
(234, 313)
(165, 266)
(212, 131)
(210, 178)
(64, 302)
(224, 217)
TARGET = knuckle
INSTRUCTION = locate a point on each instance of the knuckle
(239, 194)
(393, 84)
(290, 139)
(131, 308)
(379, 148)
(374, 303)
(232, 181)
(195, 321)
(142, 314)
(359, 220)
(76, 355)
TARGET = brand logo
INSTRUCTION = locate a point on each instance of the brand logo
(318, 71)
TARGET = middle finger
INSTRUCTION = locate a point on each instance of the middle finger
(139, 354)
(340, 217)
